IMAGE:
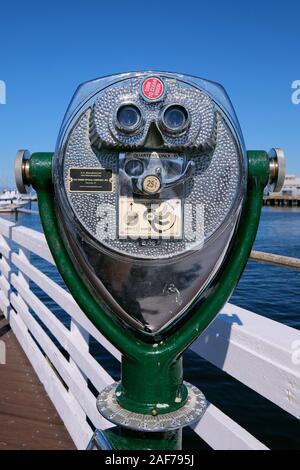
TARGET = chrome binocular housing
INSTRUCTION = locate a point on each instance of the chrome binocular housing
(150, 177)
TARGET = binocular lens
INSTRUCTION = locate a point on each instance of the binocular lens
(128, 117)
(175, 118)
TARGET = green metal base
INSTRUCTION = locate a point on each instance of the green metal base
(125, 439)
(143, 388)
(186, 415)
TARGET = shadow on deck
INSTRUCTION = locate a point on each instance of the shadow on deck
(28, 419)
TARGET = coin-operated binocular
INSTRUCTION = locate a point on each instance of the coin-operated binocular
(150, 206)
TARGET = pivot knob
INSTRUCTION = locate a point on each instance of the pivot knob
(277, 170)
(22, 171)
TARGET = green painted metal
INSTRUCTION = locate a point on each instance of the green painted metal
(152, 373)
(125, 439)
(40, 171)
(160, 383)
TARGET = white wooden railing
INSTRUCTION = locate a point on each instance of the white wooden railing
(261, 353)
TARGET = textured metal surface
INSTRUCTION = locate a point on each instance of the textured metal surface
(201, 132)
(216, 186)
(189, 413)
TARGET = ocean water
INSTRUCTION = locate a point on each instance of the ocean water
(267, 290)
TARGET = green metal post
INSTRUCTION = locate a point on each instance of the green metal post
(125, 439)
(161, 382)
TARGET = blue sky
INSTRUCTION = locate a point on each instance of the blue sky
(48, 48)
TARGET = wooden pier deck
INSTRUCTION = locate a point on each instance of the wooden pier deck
(28, 419)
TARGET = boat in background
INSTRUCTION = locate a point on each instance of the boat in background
(10, 201)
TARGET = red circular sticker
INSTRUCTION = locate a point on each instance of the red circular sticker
(152, 88)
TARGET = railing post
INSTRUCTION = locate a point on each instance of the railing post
(81, 337)
(5, 268)
(24, 280)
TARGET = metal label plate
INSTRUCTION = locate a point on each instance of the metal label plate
(90, 180)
